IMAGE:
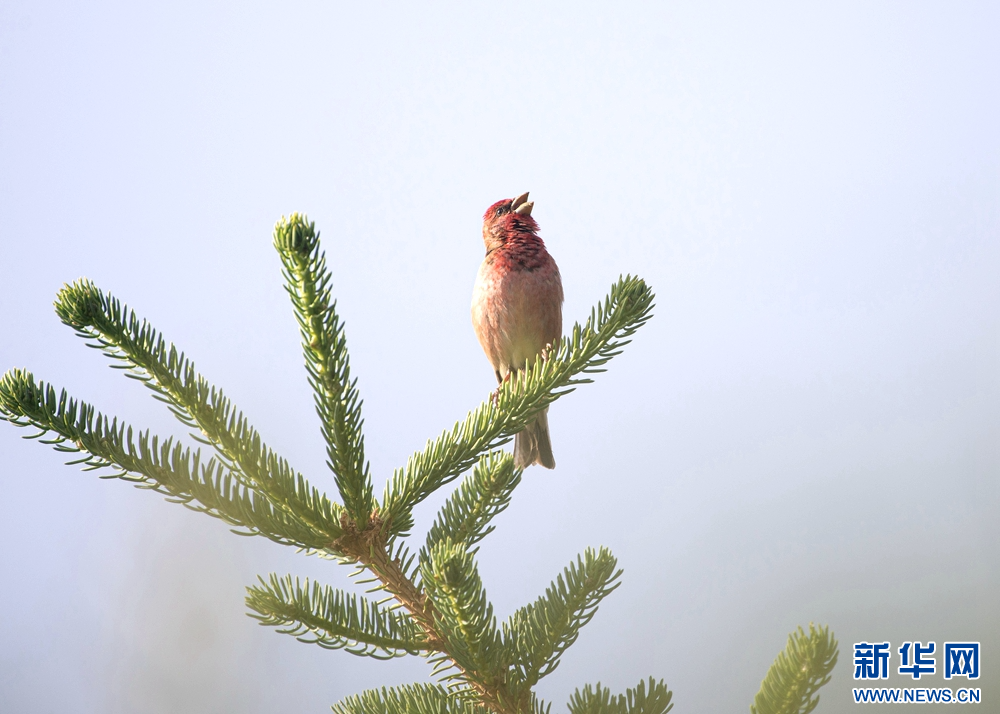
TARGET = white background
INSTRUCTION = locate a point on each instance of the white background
(806, 431)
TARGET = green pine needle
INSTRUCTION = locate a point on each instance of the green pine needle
(324, 345)
(466, 516)
(123, 336)
(539, 633)
(463, 613)
(164, 466)
(422, 699)
(334, 619)
(797, 674)
(647, 698)
(407, 699)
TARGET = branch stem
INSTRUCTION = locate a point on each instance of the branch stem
(370, 548)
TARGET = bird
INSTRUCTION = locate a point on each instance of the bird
(517, 309)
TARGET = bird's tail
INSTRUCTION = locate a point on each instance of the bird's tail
(532, 446)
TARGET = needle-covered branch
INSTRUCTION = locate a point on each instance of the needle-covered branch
(463, 615)
(334, 619)
(494, 422)
(439, 608)
(324, 345)
(651, 698)
(485, 493)
(408, 699)
(124, 337)
(797, 674)
(164, 466)
(539, 633)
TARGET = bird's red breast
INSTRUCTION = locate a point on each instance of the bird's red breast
(517, 299)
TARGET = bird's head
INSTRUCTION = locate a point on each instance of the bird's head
(506, 218)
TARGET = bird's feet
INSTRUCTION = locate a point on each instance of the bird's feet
(495, 396)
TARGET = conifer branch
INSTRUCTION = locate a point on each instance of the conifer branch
(799, 671)
(463, 615)
(123, 336)
(325, 348)
(651, 698)
(441, 610)
(421, 699)
(539, 633)
(334, 619)
(164, 466)
(408, 699)
(493, 423)
(466, 516)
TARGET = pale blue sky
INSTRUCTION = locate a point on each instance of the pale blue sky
(806, 431)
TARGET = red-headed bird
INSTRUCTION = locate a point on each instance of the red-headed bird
(517, 308)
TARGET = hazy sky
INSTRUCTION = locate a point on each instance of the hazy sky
(807, 430)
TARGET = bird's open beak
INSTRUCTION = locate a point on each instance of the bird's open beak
(522, 205)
